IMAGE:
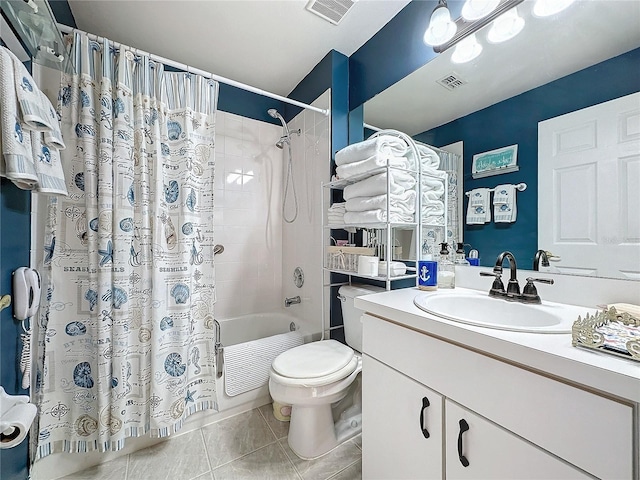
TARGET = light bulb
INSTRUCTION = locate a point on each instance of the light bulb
(466, 50)
(546, 8)
(441, 29)
(506, 26)
(476, 9)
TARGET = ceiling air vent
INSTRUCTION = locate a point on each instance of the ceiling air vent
(451, 81)
(331, 10)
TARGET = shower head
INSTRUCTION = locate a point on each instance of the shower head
(274, 113)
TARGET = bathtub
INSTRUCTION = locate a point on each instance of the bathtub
(237, 330)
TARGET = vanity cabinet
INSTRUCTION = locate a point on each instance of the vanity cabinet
(521, 424)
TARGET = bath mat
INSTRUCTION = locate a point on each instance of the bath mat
(247, 365)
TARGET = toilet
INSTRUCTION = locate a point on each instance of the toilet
(321, 382)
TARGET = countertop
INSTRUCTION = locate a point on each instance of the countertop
(550, 354)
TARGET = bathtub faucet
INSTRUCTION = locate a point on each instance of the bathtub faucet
(292, 300)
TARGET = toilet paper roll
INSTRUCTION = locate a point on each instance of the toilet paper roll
(15, 424)
(9, 401)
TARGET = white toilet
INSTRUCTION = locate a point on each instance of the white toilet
(320, 380)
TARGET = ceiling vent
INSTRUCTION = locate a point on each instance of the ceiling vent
(452, 81)
(331, 10)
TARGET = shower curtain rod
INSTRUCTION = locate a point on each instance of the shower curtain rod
(197, 71)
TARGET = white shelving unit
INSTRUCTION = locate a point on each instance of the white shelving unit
(386, 230)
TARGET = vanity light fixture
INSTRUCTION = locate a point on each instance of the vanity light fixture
(546, 8)
(466, 50)
(506, 26)
(441, 28)
(477, 9)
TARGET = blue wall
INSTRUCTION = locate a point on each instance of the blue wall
(515, 121)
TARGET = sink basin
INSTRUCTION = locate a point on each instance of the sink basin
(476, 308)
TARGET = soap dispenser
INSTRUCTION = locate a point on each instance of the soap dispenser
(460, 255)
(446, 268)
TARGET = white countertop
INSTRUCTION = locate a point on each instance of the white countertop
(551, 354)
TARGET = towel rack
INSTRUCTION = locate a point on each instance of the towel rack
(521, 187)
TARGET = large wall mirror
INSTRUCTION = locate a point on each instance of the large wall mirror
(586, 55)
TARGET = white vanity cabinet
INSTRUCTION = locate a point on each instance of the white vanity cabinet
(521, 424)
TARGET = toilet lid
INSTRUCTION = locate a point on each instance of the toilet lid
(313, 360)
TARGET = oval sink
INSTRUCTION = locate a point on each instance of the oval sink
(475, 308)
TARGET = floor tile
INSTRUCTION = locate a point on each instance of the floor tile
(268, 463)
(279, 429)
(113, 470)
(181, 457)
(354, 472)
(236, 436)
(327, 465)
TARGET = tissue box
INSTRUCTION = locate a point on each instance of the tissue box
(397, 268)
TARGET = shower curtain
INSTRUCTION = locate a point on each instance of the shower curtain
(126, 331)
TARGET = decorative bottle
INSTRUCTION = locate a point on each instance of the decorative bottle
(460, 255)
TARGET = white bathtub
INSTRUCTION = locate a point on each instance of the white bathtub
(237, 330)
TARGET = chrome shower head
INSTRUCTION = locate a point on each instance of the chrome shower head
(274, 113)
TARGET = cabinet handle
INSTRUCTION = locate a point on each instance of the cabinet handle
(464, 426)
(425, 404)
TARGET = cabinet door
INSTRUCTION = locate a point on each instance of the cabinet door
(401, 426)
(478, 449)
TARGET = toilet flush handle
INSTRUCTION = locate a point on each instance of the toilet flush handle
(342, 298)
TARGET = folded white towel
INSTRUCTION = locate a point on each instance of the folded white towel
(375, 216)
(428, 158)
(37, 112)
(385, 144)
(432, 195)
(432, 220)
(349, 170)
(433, 208)
(377, 185)
(17, 163)
(403, 203)
(48, 167)
(478, 211)
(338, 207)
(505, 209)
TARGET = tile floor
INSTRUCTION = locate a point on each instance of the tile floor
(251, 445)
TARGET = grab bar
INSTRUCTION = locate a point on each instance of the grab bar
(218, 350)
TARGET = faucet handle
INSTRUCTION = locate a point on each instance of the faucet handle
(497, 288)
(530, 292)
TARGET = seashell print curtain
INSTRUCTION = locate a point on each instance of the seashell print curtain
(126, 332)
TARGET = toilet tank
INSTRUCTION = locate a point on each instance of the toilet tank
(351, 315)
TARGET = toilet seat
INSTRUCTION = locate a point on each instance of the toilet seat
(314, 364)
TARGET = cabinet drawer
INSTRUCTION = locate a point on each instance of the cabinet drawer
(590, 431)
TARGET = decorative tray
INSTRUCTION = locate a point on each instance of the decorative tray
(609, 331)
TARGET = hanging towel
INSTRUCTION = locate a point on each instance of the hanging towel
(402, 203)
(349, 170)
(37, 112)
(377, 185)
(53, 137)
(17, 164)
(48, 167)
(478, 211)
(385, 144)
(375, 216)
(505, 209)
(247, 365)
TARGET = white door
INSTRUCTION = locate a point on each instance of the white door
(589, 189)
(401, 426)
(478, 449)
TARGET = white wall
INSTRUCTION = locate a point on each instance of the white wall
(302, 239)
(248, 217)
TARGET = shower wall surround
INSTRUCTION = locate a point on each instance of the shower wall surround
(302, 239)
(248, 216)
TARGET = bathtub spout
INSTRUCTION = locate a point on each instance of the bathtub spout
(218, 350)
(292, 300)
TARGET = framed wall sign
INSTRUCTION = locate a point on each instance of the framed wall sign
(495, 162)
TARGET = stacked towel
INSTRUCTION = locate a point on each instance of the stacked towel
(361, 167)
(429, 159)
(433, 191)
(505, 209)
(29, 130)
(478, 211)
(335, 214)
(376, 216)
(402, 203)
(400, 182)
(386, 145)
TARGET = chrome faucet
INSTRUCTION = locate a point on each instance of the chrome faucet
(529, 293)
(540, 255)
(292, 300)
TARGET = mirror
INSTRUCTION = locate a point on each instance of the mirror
(585, 55)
